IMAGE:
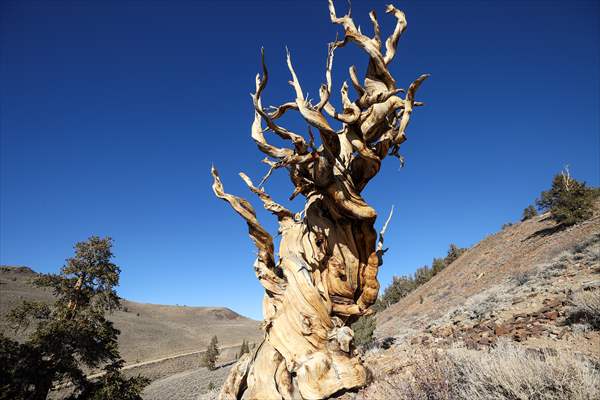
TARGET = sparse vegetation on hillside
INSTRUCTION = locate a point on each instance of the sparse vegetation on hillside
(401, 286)
(586, 308)
(72, 334)
(569, 201)
(528, 213)
(453, 253)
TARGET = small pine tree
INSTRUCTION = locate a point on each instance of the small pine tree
(212, 354)
(528, 213)
(422, 275)
(437, 265)
(568, 200)
(453, 253)
(245, 348)
(363, 330)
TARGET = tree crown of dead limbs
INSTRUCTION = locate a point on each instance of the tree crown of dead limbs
(373, 125)
(326, 274)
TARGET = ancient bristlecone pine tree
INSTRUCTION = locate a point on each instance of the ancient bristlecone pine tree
(326, 274)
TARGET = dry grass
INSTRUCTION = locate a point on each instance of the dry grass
(586, 308)
(508, 371)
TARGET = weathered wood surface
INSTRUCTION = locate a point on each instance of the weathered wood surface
(325, 276)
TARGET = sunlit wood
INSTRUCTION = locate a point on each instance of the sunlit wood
(326, 274)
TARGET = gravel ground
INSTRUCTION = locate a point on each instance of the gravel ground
(188, 385)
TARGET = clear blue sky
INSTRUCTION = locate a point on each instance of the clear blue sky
(113, 111)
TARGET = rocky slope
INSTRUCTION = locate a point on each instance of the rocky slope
(523, 274)
(517, 314)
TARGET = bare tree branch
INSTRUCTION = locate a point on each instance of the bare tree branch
(296, 139)
(265, 263)
(376, 29)
(409, 102)
(364, 42)
(357, 86)
(392, 42)
(277, 209)
(313, 117)
(380, 249)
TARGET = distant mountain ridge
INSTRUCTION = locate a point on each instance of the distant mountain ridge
(148, 331)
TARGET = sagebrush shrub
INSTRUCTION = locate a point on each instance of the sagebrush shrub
(363, 330)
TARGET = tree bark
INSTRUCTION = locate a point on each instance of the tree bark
(325, 276)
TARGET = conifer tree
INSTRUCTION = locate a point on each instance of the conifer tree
(437, 265)
(245, 348)
(528, 213)
(568, 200)
(453, 253)
(212, 353)
(71, 336)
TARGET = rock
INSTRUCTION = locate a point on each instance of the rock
(502, 330)
(485, 341)
(551, 315)
(520, 335)
(445, 331)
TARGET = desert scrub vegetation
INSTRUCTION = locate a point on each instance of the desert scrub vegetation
(363, 330)
(507, 371)
(401, 286)
(586, 308)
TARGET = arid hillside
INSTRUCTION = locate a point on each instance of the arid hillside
(148, 331)
(516, 316)
(514, 254)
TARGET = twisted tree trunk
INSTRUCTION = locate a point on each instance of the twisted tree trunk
(326, 274)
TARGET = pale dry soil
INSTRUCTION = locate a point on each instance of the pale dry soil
(188, 385)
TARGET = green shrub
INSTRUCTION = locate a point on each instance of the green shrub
(422, 275)
(453, 253)
(437, 265)
(528, 213)
(363, 330)
(568, 200)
